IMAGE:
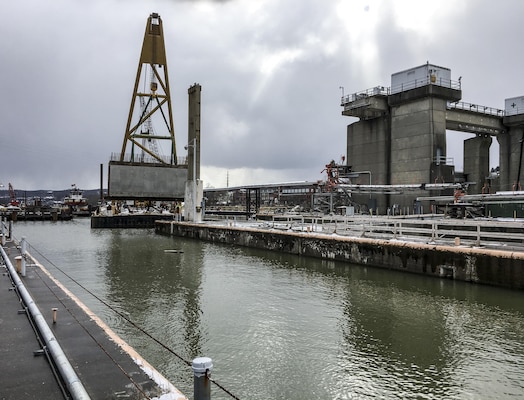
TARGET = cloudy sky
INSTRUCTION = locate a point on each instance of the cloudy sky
(271, 73)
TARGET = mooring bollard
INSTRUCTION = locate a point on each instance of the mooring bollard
(202, 371)
(54, 309)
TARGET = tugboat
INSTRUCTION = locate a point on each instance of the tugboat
(77, 203)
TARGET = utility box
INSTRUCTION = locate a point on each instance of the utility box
(420, 76)
(514, 105)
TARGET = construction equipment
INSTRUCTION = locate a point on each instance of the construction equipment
(12, 195)
(154, 101)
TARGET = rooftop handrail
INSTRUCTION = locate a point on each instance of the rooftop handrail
(385, 91)
(424, 82)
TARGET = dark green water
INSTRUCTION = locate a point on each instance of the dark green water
(282, 327)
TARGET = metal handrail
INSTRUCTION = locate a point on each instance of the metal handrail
(146, 159)
(67, 372)
(374, 91)
(386, 91)
(424, 82)
(461, 105)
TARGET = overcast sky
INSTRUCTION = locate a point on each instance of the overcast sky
(271, 73)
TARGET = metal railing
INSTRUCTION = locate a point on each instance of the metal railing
(385, 91)
(448, 83)
(461, 105)
(444, 160)
(434, 229)
(375, 91)
(147, 159)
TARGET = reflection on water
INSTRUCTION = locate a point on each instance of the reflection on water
(283, 327)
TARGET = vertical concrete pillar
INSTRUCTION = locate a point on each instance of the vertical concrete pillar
(504, 161)
(512, 153)
(511, 157)
(516, 158)
(418, 141)
(476, 162)
(194, 186)
(369, 149)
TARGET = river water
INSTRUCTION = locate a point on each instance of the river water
(279, 326)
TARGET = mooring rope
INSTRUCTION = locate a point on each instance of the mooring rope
(127, 319)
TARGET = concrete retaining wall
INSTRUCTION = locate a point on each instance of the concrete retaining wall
(491, 267)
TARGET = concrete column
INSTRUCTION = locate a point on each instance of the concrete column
(476, 161)
(504, 146)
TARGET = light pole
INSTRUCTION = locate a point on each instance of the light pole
(193, 144)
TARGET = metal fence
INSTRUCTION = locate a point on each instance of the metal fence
(428, 229)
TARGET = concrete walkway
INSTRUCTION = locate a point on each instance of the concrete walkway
(104, 364)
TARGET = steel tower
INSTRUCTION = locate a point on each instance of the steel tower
(154, 103)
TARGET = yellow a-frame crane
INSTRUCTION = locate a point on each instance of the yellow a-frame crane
(152, 75)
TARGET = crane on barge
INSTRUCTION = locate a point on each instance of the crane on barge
(12, 195)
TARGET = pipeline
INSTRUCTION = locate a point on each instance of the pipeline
(74, 385)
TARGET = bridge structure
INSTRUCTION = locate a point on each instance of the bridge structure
(400, 136)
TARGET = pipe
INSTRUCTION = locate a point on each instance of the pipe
(74, 385)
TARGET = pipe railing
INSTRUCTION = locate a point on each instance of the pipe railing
(430, 230)
(461, 105)
(74, 385)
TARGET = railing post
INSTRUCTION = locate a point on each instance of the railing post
(202, 371)
(3, 231)
(24, 255)
(478, 235)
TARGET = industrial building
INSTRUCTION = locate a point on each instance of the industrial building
(399, 140)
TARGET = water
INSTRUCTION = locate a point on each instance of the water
(279, 326)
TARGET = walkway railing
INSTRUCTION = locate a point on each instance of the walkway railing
(436, 230)
(460, 105)
(375, 91)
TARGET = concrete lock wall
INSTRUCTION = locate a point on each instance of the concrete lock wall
(492, 267)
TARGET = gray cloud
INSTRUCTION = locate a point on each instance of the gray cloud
(271, 73)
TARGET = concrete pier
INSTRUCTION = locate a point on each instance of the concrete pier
(470, 264)
(107, 367)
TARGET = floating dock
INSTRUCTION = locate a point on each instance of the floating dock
(100, 364)
(128, 220)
